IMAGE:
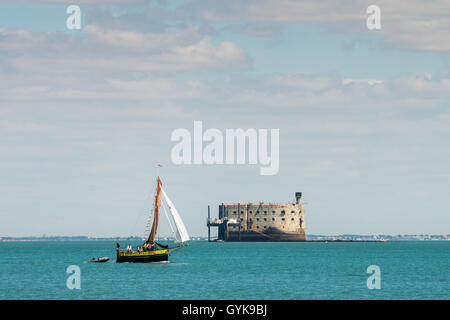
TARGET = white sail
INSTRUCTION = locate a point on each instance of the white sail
(181, 234)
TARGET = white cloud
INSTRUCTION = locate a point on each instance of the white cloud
(117, 51)
(142, 41)
(410, 24)
(307, 82)
(288, 92)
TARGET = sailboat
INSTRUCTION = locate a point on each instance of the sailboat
(152, 251)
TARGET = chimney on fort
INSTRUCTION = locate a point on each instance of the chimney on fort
(298, 196)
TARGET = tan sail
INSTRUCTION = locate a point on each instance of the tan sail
(151, 238)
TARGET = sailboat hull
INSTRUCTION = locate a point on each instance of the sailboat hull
(143, 257)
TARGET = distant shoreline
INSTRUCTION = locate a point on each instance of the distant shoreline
(310, 238)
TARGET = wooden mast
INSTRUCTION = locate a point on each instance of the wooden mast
(151, 237)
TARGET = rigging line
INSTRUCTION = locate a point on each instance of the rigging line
(140, 214)
(175, 253)
(148, 225)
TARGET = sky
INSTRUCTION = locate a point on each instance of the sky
(87, 114)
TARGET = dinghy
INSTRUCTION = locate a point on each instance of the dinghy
(99, 260)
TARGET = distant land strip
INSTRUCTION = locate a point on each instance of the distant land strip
(310, 238)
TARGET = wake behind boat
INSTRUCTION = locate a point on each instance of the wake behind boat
(152, 251)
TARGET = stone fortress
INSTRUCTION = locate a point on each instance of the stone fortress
(260, 221)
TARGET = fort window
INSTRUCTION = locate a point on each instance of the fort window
(265, 219)
(257, 219)
(292, 219)
(292, 211)
(250, 219)
(265, 212)
(282, 219)
(257, 211)
(234, 212)
(273, 211)
(283, 212)
(273, 219)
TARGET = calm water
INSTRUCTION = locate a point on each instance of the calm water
(409, 270)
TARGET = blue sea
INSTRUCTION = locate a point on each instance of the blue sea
(227, 270)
